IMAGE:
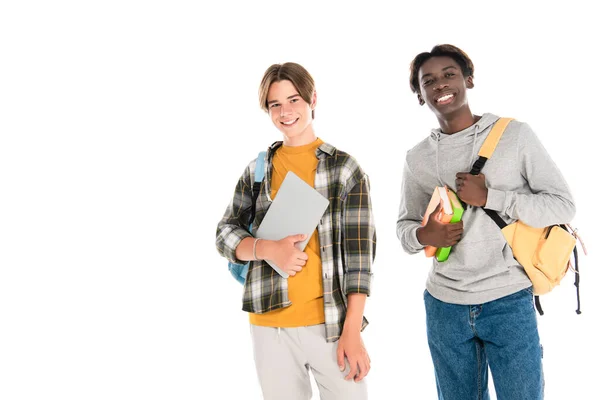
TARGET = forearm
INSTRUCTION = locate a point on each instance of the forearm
(354, 313)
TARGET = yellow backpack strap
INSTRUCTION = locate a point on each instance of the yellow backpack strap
(489, 145)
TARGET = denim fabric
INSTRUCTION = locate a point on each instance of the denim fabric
(465, 339)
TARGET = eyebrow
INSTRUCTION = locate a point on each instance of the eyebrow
(443, 69)
(289, 98)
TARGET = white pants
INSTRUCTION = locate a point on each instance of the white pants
(283, 357)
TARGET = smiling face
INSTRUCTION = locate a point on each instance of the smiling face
(290, 113)
(443, 87)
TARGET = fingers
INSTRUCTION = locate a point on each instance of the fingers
(456, 234)
(453, 233)
(295, 268)
(453, 240)
(340, 358)
(460, 182)
(363, 369)
(297, 238)
(435, 214)
(298, 261)
(467, 176)
(463, 177)
(353, 370)
(455, 226)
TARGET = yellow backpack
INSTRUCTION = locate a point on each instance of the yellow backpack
(544, 253)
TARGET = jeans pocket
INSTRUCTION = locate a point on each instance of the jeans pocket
(530, 290)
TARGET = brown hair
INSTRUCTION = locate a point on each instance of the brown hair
(289, 71)
(441, 50)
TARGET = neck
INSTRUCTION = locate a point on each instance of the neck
(458, 121)
(306, 137)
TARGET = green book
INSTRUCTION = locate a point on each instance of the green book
(457, 212)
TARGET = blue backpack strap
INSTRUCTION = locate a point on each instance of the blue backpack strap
(259, 174)
(240, 271)
(259, 171)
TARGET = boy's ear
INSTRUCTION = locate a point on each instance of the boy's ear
(421, 101)
(470, 84)
(313, 105)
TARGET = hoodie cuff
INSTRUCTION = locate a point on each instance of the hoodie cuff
(495, 200)
(414, 242)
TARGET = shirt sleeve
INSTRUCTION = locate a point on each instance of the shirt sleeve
(413, 204)
(233, 227)
(359, 238)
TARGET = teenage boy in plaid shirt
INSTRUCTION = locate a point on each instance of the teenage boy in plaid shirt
(312, 320)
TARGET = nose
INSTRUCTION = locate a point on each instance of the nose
(285, 109)
(440, 86)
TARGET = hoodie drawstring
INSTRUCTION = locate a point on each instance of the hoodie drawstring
(437, 153)
(473, 149)
(437, 158)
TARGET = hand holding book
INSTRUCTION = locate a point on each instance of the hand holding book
(442, 225)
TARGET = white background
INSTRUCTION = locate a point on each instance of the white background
(125, 125)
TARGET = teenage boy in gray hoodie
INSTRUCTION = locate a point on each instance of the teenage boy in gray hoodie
(479, 303)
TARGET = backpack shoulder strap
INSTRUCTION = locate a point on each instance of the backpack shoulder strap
(259, 170)
(259, 174)
(489, 145)
(486, 151)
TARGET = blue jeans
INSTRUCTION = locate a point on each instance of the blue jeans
(465, 339)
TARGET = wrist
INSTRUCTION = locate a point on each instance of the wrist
(422, 236)
(485, 196)
(263, 249)
(351, 327)
(353, 323)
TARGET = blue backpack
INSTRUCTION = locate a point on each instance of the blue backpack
(239, 271)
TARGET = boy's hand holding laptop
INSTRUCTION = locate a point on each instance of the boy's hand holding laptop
(285, 254)
(289, 223)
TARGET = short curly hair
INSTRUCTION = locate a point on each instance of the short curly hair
(441, 50)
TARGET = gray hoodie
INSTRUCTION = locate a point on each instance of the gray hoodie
(523, 183)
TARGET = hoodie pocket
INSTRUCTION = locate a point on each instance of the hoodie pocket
(476, 260)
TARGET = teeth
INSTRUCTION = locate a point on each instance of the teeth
(288, 122)
(446, 97)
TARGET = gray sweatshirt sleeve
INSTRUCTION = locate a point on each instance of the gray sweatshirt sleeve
(550, 201)
(413, 203)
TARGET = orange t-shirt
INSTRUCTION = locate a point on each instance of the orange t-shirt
(305, 289)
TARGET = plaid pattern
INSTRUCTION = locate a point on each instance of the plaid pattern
(346, 235)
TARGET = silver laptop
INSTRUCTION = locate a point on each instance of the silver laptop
(297, 208)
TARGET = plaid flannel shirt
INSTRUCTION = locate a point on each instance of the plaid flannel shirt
(346, 235)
